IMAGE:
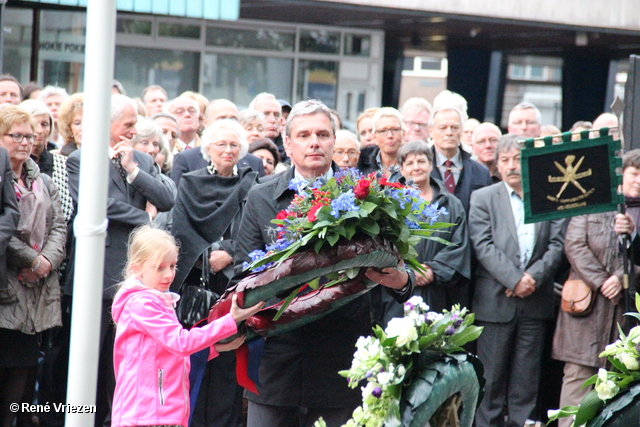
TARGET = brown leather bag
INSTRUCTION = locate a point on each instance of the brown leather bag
(577, 298)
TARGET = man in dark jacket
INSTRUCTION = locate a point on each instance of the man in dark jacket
(133, 181)
(461, 175)
(299, 372)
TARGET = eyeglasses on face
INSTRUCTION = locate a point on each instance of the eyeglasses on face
(394, 131)
(18, 137)
(411, 125)
(351, 153)
(223, 146)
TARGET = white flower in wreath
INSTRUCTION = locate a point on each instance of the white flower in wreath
(385, 378)
(418, 319)
(629, 360)
(403, 328)
(433, 317)
(605, 387)
(634, 335)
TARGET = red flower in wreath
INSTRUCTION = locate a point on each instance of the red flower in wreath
(311, 215)
(387, 183)
(361, 191)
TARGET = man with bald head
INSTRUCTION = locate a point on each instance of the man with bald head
(192, 160)
(483, 142)
(187, 111)
(606, 120)
(415, 119)
(347, 149)
(525, 119)
(220, 109)
(268, 104)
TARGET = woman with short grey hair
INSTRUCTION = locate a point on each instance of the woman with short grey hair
(150, 139)
(206, 221)
(224, 126)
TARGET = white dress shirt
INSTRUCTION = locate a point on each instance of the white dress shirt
(526, 232)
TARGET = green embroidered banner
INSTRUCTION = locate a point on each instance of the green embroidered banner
(570, 178)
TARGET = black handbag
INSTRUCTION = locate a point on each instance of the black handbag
(196, 299)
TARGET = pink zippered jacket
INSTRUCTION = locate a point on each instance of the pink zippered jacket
(151, 356)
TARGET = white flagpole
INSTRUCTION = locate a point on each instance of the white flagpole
(90, 224)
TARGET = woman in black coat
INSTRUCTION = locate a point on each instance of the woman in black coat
(448, 267)
(206, 217)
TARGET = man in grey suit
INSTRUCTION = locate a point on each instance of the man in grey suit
(514, 291)
(133, 181)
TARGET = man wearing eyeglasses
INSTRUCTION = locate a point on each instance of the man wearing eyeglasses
(187, 111)
(415, 119)
(453, 166)
(347, 149)
(525, 119)
(484, 141)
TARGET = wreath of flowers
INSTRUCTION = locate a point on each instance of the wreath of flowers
(623, 356)
(326, 211)
(385, 360)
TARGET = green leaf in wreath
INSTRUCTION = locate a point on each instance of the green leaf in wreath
(286, 303)
(391, 210)
(467, 335)
(333, 239)
(315, 283)
(370, 227)
(589, 407)
(340, 230)
(350, 231)
(590, 381)
(352, 272)
(321, 224)
(318, 245)
(367, 207)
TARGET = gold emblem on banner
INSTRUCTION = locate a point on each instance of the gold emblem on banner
(570, 175)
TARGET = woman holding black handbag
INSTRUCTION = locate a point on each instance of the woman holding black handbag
(206, 215)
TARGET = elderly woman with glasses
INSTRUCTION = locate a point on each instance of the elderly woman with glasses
(33, 257)
(206, 218)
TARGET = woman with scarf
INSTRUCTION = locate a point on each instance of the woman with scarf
(33, 258)
(592, 247)
(206, 217)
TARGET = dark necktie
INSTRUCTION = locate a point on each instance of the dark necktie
(117, 162)
(449, 181)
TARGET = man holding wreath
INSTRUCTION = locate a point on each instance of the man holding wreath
(299, 379)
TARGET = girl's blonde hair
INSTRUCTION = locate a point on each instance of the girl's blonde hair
(148, 244)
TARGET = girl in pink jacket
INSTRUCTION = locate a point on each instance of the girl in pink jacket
(151, 350)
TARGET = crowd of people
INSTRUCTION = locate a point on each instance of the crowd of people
(213, 177)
